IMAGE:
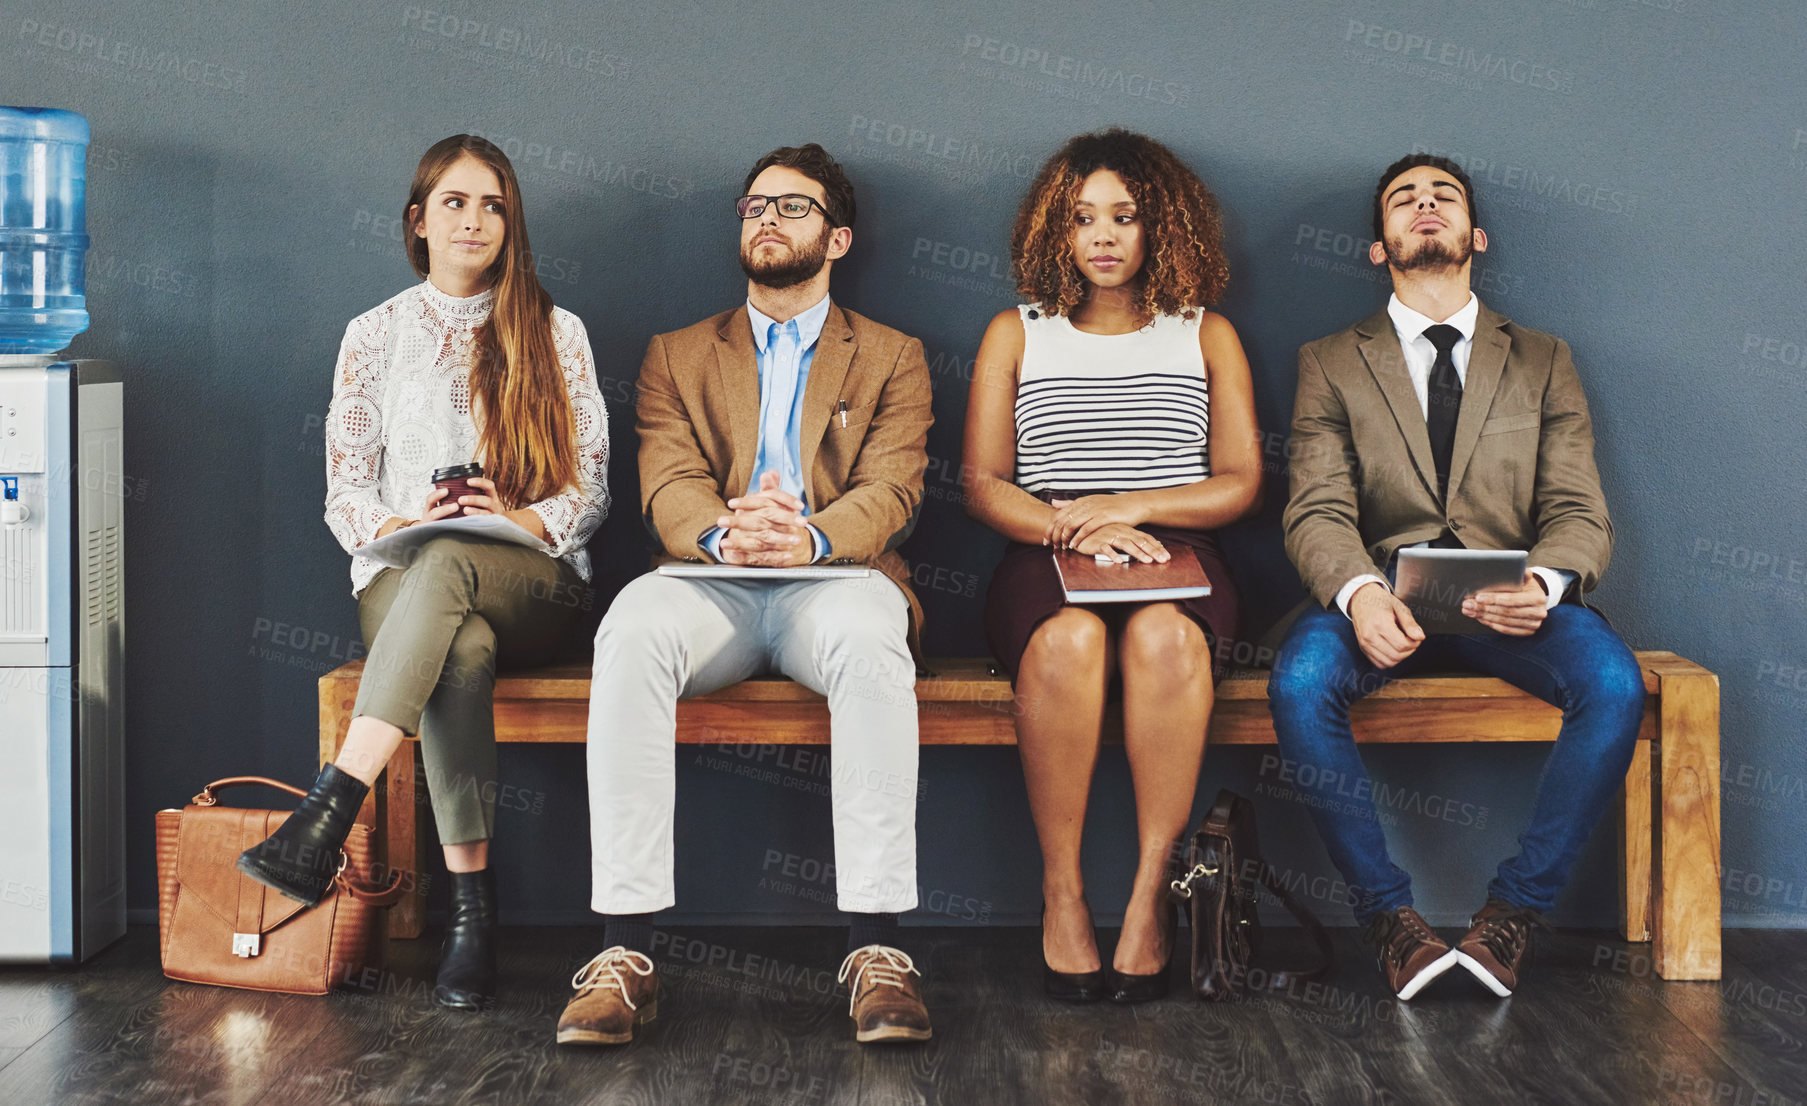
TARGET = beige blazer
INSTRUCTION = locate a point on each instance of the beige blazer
(1522, 474)
(698, 420)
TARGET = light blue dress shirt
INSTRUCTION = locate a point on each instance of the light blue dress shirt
(786, 351)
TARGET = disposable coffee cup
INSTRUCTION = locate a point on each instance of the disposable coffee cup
(456, 480)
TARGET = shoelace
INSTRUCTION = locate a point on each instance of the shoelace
(1505, 935)
(604, 971)
(1393, 937)
(884, 967)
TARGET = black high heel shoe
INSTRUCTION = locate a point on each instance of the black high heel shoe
(1080, 987)
(1127, 989)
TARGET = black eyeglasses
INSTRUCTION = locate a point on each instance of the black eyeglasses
(792, 206)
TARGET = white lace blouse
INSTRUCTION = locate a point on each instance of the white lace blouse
(402, 407)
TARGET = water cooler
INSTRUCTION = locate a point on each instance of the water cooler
(62, 731)
(62, 493)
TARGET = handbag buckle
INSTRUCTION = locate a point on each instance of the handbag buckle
(246, 945)
(1183, 886)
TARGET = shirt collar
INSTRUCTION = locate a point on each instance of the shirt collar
(1411, 324)
(464, 308)
(809, 324)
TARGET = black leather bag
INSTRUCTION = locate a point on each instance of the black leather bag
(1220, 891)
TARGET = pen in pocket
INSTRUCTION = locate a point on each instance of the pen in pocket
(842, 408)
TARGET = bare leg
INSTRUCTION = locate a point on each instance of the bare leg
(1060, 707)
(369, 743)
(470, 856)
(1167, 697)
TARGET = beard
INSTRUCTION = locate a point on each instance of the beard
(799, 266)
(1429, 254)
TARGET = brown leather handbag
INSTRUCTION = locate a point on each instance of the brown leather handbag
(221, 927)
(1220, 891)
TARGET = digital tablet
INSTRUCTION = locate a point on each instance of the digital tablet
(1433, 583)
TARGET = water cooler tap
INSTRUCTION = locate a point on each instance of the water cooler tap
(12, 511)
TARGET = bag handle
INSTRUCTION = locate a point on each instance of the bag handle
(371, 896)
(206, 797)
(1284, 980)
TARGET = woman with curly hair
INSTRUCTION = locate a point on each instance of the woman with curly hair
(1111, 413)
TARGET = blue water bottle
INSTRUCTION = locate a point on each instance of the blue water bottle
(43, 229)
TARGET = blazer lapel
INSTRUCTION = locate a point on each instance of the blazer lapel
(737, 372)
(827, 372)
(1380, 348)
(1486, 364)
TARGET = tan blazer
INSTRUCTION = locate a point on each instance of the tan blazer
(1522, 473)
(698, 419)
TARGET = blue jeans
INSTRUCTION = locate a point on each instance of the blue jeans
(1574, 661)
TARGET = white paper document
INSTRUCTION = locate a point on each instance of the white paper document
(398, 549)
(758, 572)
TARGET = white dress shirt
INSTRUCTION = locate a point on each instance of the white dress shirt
(1420, 358)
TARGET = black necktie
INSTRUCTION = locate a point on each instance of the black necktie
(1444, 401)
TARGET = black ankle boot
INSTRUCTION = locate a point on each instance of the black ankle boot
(301, 858)
(467, 962)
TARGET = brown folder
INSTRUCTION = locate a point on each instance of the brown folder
(1085, 579)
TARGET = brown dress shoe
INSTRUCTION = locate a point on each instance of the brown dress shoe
(885, 1005)
(615, 992)
(1410, 954)
(1496, 941)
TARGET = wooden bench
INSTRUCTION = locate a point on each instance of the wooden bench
(1668, 822)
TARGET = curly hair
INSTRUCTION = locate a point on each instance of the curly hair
(1183, 267)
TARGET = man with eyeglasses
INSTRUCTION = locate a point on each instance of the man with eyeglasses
(784, 433)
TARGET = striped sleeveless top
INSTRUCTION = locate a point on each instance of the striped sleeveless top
(1111, 412)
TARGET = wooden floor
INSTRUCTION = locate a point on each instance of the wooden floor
(753, 1015)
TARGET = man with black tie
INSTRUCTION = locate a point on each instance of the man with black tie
(1438, 421)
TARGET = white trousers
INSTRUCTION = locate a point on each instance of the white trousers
(668, 638)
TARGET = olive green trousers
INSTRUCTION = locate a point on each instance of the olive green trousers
(436, 630)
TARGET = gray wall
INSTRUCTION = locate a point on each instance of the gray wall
(1643, 171)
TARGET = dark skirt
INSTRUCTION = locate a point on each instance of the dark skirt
(1025, 591)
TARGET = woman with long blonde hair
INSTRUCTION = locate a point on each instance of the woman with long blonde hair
(474, 364)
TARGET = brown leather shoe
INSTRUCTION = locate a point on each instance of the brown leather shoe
(616, 991)
(885, 1005)
(1410, 954)
(1496, 942)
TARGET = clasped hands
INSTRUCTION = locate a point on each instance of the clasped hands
(1388, 634)
(766, 528)
(1103, 524)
